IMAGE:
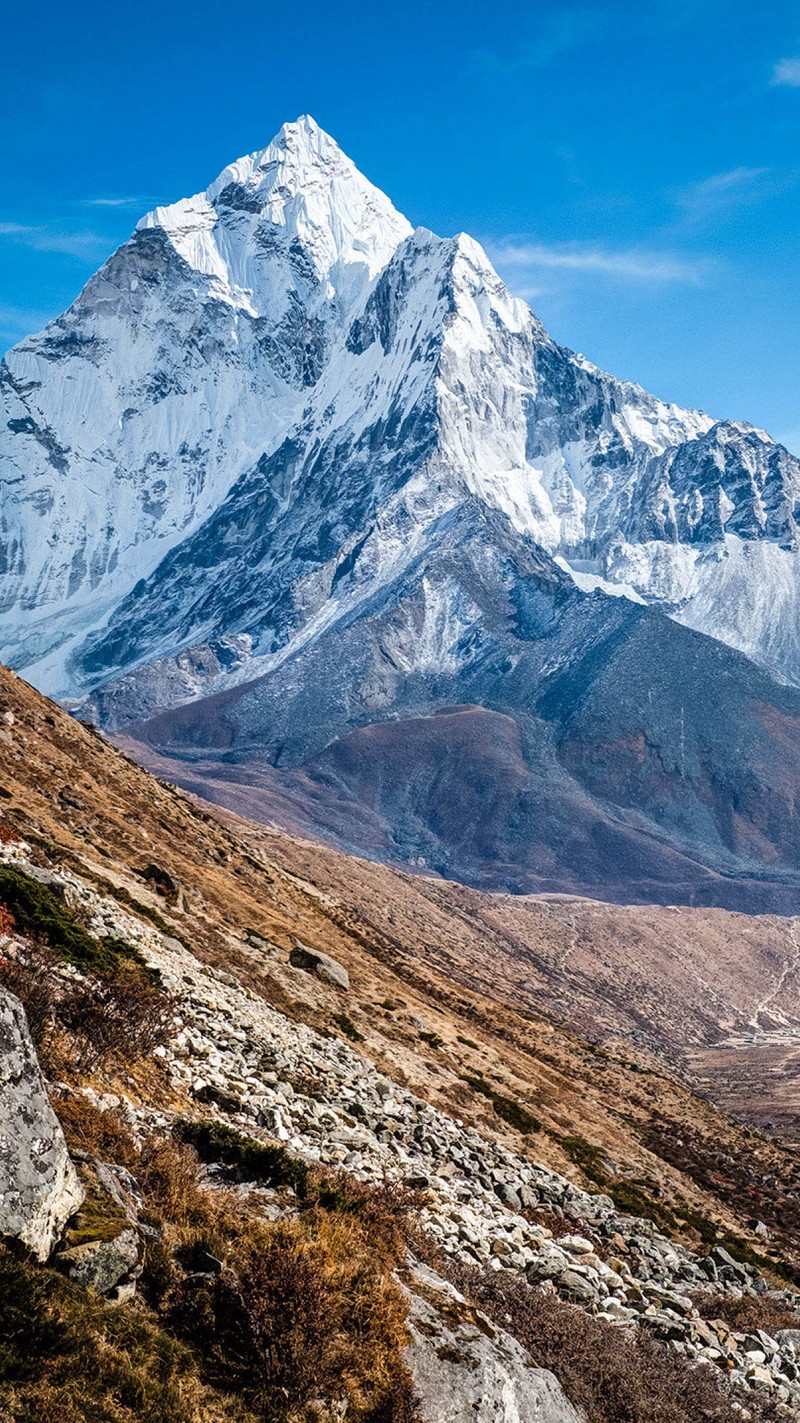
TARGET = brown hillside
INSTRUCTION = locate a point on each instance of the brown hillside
(448, 984)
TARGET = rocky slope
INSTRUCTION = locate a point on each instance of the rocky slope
(359, 1052)
(579, 744)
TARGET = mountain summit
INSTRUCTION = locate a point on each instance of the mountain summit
(288, 469)
(301, 195)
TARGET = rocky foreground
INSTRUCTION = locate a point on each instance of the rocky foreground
(231, 1058)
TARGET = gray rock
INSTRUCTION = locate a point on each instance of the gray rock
(39, 1188)
(103, 1247)
(789, 1338)
(465, 1370)
(324, 967)
(104, 1265)
(577, 1286)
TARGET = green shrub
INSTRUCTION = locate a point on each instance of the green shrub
(507, 1108)
(39, 913)
(248, 1160)
(631, 1197)
(348, 1027)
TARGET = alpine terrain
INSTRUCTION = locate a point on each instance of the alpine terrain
(305, 501)
(289, 1136)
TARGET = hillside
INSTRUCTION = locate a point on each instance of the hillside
(468, 1008)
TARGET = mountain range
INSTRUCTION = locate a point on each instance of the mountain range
(308, 503)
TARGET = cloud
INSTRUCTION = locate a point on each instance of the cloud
(722, 190)
(634, 265)
(787, 71)
(560, 31)
(136, 201)
(87, 246)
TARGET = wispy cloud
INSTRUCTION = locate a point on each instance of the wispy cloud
(87, 246)
(562, 30)
(734, 188)
(633, 265)
(136, 202)
(787, 71)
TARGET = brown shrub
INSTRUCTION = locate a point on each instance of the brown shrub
(104, 1135)
(6, 922)
(168, 1173)
(305, 1314)
(383, 1213)
(746, 1313)
(611, 1375)
(122, 1016)
(29, 976)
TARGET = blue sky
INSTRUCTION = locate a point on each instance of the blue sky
(633, 168)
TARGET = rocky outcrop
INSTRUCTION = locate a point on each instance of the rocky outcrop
(321, 965)
(39, 1188)
(466, 1370)
(102, 1249)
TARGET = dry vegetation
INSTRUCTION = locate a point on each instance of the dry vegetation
(307, 1309)
(118, 1016)
(613, 1376)
(236, 1318)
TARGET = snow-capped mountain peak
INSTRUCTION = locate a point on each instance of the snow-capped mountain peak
(269, 395)
(300, 197)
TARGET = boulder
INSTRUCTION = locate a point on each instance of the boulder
(466, 1370)
(39, 1187)
(324, 967)
(102, 1247)
(164, 884)
(108, 1266)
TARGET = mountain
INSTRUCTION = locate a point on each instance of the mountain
(127, 421)
(565, 742)
(290, 481)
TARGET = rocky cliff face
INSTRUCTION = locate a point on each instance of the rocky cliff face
(39, 1187)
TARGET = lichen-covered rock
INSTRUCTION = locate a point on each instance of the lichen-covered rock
(102, 1248)
(322, 965)
(466, 1370)
(110, 1267)
(39, 1188)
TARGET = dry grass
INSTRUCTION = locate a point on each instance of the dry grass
(610, 1375)
(309, 1311)
(104, 1135)
(289, 1315)
(746, 1314)
(65, 1357)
